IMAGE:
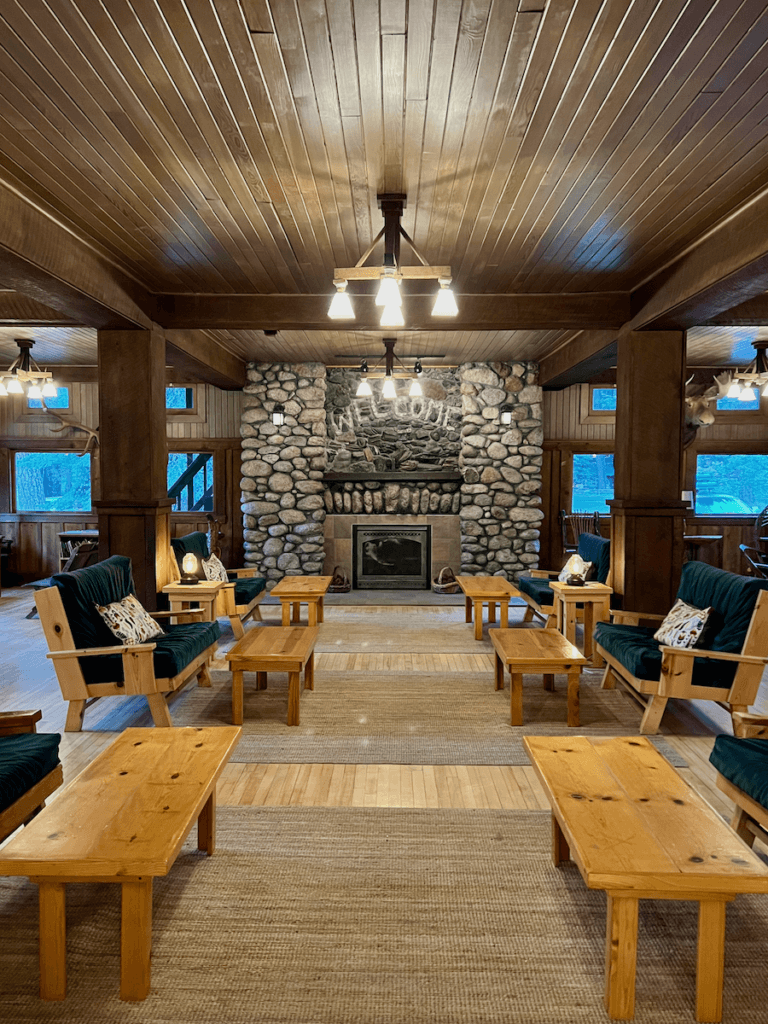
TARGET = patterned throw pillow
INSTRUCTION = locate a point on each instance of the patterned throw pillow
(565, 573)
(128, 620)
(214, 570)
(682, 626)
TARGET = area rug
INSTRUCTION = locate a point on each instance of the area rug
(373, 916)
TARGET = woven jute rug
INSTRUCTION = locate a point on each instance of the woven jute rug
(373, 916)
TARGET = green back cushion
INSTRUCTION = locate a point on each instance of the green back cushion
(731, 597)
(103, 583)
(635, 648)
(195, 544)
(744, 762)
(173, 652)
(25, 759)
(596, 550)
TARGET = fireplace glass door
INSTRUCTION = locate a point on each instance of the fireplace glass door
(391, 557)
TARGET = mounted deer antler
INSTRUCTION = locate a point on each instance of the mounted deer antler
(93, 436)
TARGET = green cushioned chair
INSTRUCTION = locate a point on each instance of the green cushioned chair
(534, 585)
(91, 662)
(239, 599)
(29, 768)
(742, 774)
(727, 664)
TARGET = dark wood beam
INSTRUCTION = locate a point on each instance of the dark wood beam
(20, 309)
(196, 358)
(607, 310)
(752, 313)
(727, 268)
(49, 264)
(578, 360)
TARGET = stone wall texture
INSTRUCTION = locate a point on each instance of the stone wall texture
(455, 427)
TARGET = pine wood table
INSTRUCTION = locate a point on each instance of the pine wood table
(123, 819)
(536, 650)
(274, 649)
(490, 590)
(637, 830)
(182, 596)
(596, 601)
(297, 590)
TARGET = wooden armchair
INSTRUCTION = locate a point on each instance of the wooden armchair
(741, 761)
(534, 584)
(728, 670)
(238, 599)
(29, 768)
(90, 661)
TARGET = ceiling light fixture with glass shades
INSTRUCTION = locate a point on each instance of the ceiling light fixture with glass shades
(754, 378)
(389, 389)
(391, 273)
(24, 376)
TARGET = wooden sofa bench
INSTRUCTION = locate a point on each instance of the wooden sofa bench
(30, 769)
(742, 774)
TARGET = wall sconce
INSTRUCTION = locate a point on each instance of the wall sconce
(505, 415)
(278, 415)
(188, 570)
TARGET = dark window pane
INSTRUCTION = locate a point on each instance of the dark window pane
(179, 398)
(592, 483)
(604, 399)
(731, 485)
(53, 482)
(190, 481)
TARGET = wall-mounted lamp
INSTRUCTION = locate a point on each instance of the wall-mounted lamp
(188, 570)
(505, 415)
(278, 415)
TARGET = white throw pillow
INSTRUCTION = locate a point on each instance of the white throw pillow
(214, 570)
(564, 574)
(129, 621)
(682, 625)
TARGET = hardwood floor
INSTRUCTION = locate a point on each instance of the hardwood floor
(27, 681)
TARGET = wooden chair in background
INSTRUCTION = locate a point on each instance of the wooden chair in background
(574, 524)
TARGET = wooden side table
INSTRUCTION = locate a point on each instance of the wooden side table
(536, 650)
(182, 596)
(273, 649)
(297, 590)
(595, 597)
(490, 590)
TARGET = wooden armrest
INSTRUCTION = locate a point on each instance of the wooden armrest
(196, 612)
(243, 572)
(544, 574)
(747, 725)
(89, 652)
(702, 652)
(18, 721)
(633, 618)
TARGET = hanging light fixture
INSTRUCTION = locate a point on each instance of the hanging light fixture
(25, 371)
(363, 388)
(388, 389)
(415, 389)
(754, 377)
(391, 272)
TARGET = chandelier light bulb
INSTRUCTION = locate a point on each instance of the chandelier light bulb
(747, 394)
(363, 389)
(392, 316)
(389, 291)
(341, 306)
(33, 391)
(415, 389)
(14, 386)
(50, 390)
(388, 391)
(445, 301)
(734, 390)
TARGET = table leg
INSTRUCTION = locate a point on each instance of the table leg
(549, 681)
(478, 620)
(296, 612)
(294, 679)
(569, 614)
(491, 612)
(516, 698)
(620, 956)
(560, 850)
(499, 673)
(573, 697)
(237, 696)
(286, 610)
(261, 681)
(558, 614)
(589, 620)
(136, 939)
(467, 609)
(710, 960)
(53, 940)
(321, 608)
(504, 608)
(206, 825)
(312, 610)
(309, 672)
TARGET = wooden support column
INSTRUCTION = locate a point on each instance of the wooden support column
(647, 513)
(134, 510)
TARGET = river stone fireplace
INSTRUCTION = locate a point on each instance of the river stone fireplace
(443, 460)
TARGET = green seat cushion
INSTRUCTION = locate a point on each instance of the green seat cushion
(181, 644)
(596, 550)
(537, 588)
(635, 649)
(248, 588)
(81, 590)
(732, 600)
(195, 544)
(25, 759)
(744, 762)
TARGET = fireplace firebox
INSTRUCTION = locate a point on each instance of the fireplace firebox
(391, 557)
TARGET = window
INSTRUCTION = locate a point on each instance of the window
(603, 399)
(731, 485)
(597, 403)
(52, 482)
(180, 399)
(736, 404)
(190, 481)
(592, 483)
(60, 401)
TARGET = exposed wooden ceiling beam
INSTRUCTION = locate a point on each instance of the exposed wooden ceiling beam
(476, 312)
(752, 313)
(49, 264)
(196, 358)
(727, 268)
(20, 309)
(578, 360)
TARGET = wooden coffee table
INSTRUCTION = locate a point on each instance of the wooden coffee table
(273, 649)
(637, 830)
(123, 819)
(490, 590)
(295, 590)
(595, 599)
(536, 650)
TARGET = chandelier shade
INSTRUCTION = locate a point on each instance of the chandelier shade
(24, 372)
(753, 378)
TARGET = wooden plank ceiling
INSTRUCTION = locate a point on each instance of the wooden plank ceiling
(237, 147)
